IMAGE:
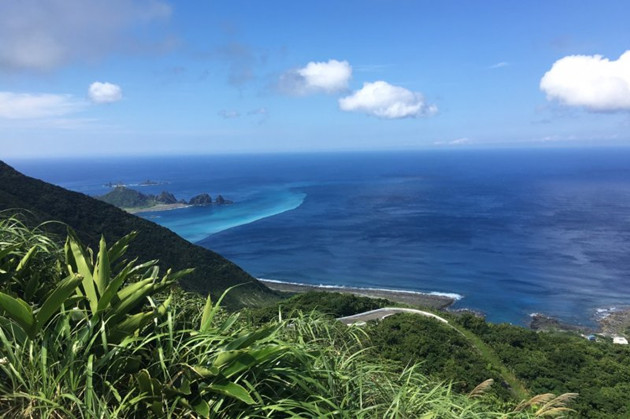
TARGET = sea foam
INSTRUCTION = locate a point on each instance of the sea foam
(451, 295)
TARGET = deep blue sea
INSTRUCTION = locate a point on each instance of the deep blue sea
(511, 231)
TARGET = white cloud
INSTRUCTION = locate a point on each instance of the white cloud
(34, 106)
(458, 141)
(328, 77)
(104, 92)
(384, 100)
(499, 65)
(229, 114)
(590, 81)
(45, 34)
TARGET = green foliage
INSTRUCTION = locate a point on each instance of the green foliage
(334, 304)
(110, 344)
(91, 219)
(27, 259)
(563, 363)
(128, 198)
(440, 350)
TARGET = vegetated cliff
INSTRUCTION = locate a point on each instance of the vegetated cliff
(123, 197)
(90, 218)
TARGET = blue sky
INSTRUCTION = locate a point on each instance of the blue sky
(152, 77)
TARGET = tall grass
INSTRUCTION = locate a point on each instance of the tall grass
(104, 337)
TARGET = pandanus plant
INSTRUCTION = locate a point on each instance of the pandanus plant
(114, 298)
(110, 300)
(95, 317)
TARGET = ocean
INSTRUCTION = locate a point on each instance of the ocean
(512, 232)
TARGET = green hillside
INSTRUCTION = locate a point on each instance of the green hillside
(86, 334)
(127, 198)
(468, 350)
(91, 218)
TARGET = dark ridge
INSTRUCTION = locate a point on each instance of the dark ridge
(90, 218)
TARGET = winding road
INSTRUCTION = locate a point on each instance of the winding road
(381, 313)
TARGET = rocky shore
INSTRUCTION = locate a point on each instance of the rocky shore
(614, 322)
(438, 302)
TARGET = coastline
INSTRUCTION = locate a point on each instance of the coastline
(159, 207)
(615, 322)
(434, 301)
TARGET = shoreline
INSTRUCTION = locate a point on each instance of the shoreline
(615, 323)
(159, 207)
(434, 301)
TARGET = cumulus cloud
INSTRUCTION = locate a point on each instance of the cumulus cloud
(45, 34)
(34, 106)
(590, 81)
(329, 77)
(104, 92)
(384, 100)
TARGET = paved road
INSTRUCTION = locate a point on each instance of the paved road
(381, 313)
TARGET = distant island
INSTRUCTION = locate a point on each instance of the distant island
(134, 201)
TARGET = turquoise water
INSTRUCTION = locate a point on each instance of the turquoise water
(197, 223)
(513, 232)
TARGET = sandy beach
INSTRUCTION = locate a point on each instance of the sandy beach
(159, 207)
(437, 302)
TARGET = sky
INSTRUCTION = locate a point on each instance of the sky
(125, 77)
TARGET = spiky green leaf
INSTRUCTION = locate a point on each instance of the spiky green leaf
(120, 247)
(102, 268)
(230, 389)
(247, 359)
(206, 318)
(110, 292)
(202, 408)
(26, 258)
(249, 338)
(59, 296)
(18, 311)
(130, 325)
(81, 263)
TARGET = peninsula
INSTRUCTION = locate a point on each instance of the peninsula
(134, 201)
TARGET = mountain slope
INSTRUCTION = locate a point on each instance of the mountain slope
(91, 218)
